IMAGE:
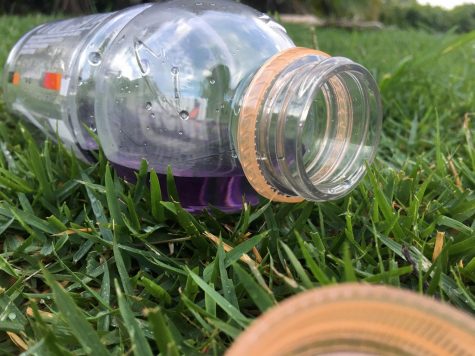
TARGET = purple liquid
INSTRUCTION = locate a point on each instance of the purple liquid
(198, 193)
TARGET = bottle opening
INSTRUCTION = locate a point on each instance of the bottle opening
(340, 130)
(317, 125)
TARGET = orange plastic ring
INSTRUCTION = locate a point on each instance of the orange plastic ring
(358, 319)
(252, 104)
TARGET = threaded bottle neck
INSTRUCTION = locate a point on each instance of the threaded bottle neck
(317, 123)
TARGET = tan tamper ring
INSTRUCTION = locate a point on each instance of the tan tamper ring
(358, 319)
(252, 104)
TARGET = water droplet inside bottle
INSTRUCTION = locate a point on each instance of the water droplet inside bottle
(144, 66)
(152, 116)
(180, 133)
(12, 316)
(184, 115)
(175, 70)
(234, 154)
(212, 81)
(199, 3)
(94, 58)
(119, 75)
(136, 85)
(117, 101)
(93, 128)
(80, 81)
(148, 128)
(148, 105)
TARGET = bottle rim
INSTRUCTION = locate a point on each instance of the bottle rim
(311, 70)
(337, 66)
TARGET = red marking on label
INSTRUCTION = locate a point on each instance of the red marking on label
(14, 78)
(52, 81)
(194, 113)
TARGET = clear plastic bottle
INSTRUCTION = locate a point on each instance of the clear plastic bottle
(213, 88)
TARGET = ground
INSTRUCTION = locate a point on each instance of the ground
(90, 263)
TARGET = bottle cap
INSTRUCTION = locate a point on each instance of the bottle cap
(357, 319)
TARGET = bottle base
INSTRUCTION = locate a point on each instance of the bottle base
(200, 193)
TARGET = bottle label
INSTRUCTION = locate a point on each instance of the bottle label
(56, 32)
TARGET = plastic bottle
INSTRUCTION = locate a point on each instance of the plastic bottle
(214, 89)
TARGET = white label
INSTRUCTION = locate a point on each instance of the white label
(64, 86)
(56, 32)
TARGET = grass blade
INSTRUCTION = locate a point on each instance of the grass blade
(140, 345)
(112, 198)
(156, 197)
(258, 295)
(297, 266)
(75, 319)
(234, 313)
(161, 332)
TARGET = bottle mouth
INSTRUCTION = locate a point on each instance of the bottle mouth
(317, 125)
(338, 131)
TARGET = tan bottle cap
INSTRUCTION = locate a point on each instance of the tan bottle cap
(252, 103)
(357, 319)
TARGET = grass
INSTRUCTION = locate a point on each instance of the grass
(90, 264)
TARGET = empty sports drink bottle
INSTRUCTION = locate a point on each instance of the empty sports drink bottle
(213, 88)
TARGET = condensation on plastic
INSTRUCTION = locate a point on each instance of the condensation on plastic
(154, 82)
(169, 80)
(71, 50)
(357, 319)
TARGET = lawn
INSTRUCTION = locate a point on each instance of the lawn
(90, 264)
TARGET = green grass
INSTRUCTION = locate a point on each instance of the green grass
(90, 264)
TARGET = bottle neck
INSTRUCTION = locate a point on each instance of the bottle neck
(308, 126)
